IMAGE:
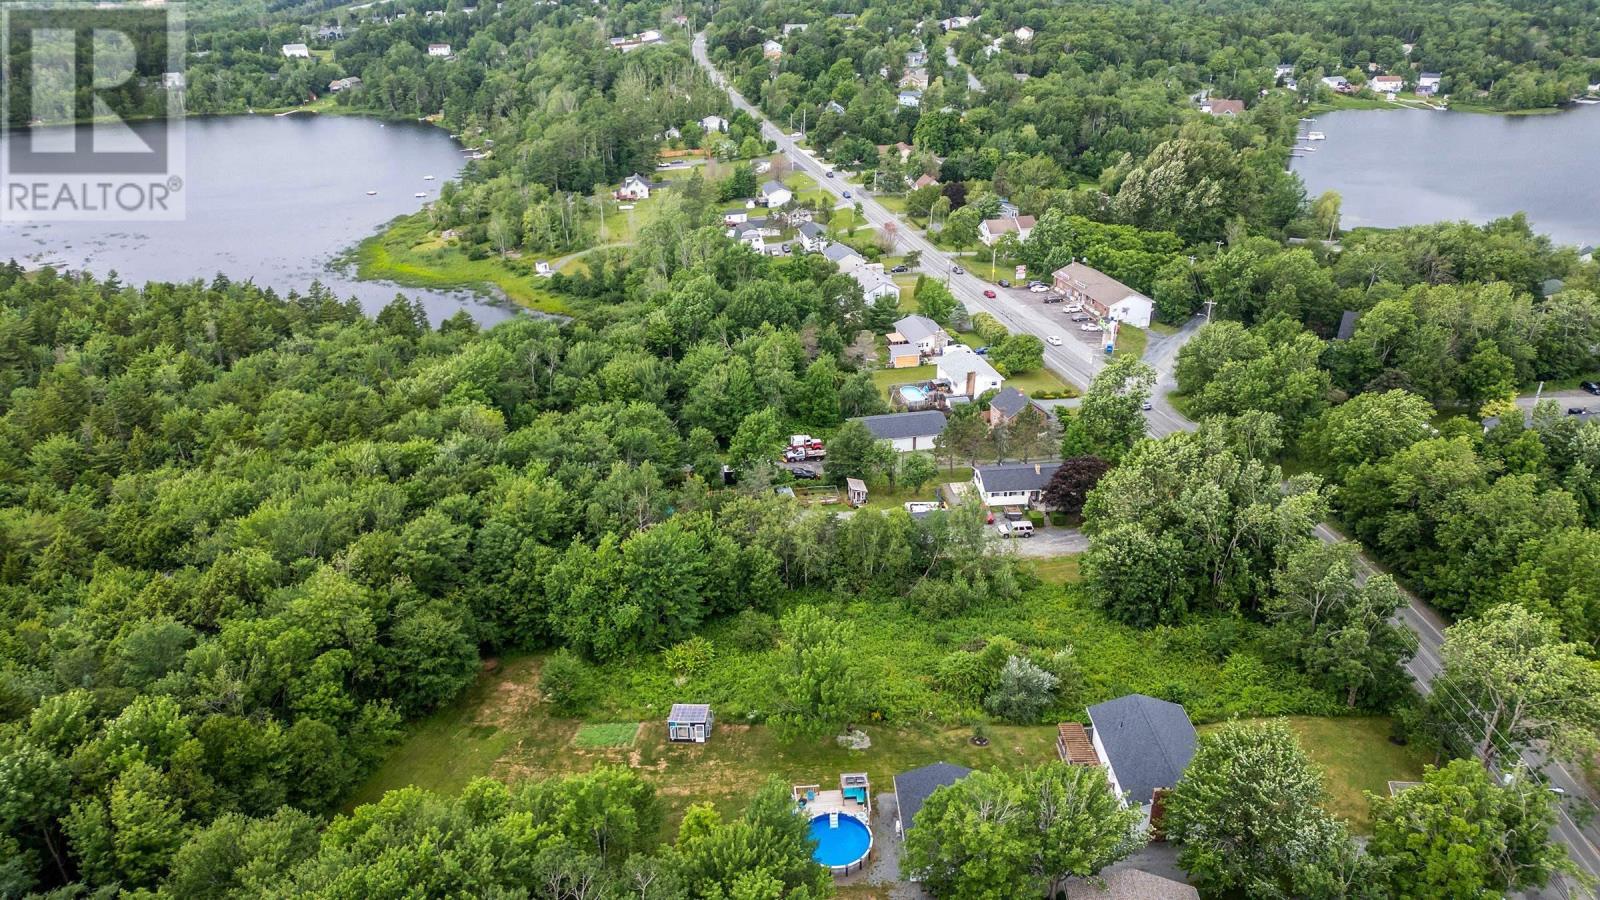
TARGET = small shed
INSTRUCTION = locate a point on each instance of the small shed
(689, 723)
(857, 490)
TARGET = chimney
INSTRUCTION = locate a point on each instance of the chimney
(972, 385)
(1037, 470)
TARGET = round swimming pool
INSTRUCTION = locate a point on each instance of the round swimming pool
(842, 845)
(910, 393)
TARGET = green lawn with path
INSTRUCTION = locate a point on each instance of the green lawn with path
(408, 253)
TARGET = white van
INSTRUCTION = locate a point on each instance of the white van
(1011, 529)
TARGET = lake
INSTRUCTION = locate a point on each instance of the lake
(272, 199)
(1410, 167)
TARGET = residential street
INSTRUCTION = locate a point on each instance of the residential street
(1077, 362)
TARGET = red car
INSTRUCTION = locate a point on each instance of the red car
(989, 294)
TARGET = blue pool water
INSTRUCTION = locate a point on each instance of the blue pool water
(842, 846)
(912, 394)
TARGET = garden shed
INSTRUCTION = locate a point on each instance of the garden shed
(689, 723)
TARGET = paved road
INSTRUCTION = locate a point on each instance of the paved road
(1077, 362)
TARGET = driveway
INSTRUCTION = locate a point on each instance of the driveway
(1046, 542)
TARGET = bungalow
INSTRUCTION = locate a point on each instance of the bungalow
(1338, 83)
(635, 187)
(910, 99)
(1222, 107)
(735, 217)
(750, 236)
(689, 722)
(771, 49)
(843, 256)
(912, 789)
(968, 374)
(992, 230)
(914, 79)
(176, 80)
(916, 59)
(1428, 83)
(1387, 84)
(1005, 406)
(955, 23)
(920, 332)
(774, 194)
(835, 108)
(1103, 295)
(1013, 484)
(1023, 34)
(439, 50)
(330, 33)
(296, 51)
(875, 282)
(344, 84)
(1283, 70)
(813, 237)
(1145, 744)
(926, 180)
(713, 123)
(792, 27)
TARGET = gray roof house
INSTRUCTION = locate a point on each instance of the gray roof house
(842, 254)
(913, 788)
(689, 722)
(907, 431)
(1013, 484)
(1146, 744)
(1007, 405)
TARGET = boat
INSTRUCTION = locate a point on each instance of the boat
(427, 178)
(420, 194)
(1316, 136)
(372, 193)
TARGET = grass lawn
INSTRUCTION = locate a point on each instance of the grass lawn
(886, 379)
(408, 253)
(881, 496)
(893, 203)
(1032, 383)
(1355, 755)
(805, 188)
(1130, 341)
(1056, 569)
(608, 734)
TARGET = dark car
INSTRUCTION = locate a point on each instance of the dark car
(804, 472)
(900, 269)
(1591, 387)
(982, 351)
(1054, 298)
(1005, 283)
(847, 195)
(1577, 410)
(1080, 317)
(830, 173)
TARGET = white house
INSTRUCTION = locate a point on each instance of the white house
(1013, 484)
(774, 194)
(175, 80)
(1103, 295)
(751, 237)
(920, 332)
(439, 50)
(955, 23)
(906, 431)
(1429, 82)
(771, 49)
(1337, 83)
(991, 230)
(1387, 84)
(1283, 70)
(296, 51)
(713, 123)
(635, 187)
(910, 99)
(543, 270)
(792, 27)
(875, 282)
(813, 237)
(1023, 34)
(1145, 745)
(968, 373)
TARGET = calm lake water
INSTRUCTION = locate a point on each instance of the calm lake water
(1409, 167)
(272, 200)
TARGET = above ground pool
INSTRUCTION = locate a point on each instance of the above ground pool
(841, 845)
(910, 393)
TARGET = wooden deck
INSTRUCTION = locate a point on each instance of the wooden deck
(1074, 746)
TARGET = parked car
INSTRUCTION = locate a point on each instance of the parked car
(900, 269)
(1090, 327)
(1591, 387)
(990, 294)
(1053, 340)
(1005, 283)
(958, 270)
(1074, 307)
(1577, 410)
(1038, 287)
(804, 472)
(785, 248)
(982, 351)
(795, 135)
(1054, 299)
(1013, 513)
(1016, 529)
(1080, 318)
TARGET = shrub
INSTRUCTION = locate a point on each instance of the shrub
(964, 676)
(689, 658)
(753, 631)
(564, 680)
(1023, 692)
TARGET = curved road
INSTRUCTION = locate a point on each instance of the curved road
(1077, 362)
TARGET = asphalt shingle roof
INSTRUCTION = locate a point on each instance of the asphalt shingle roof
(916, 328)
(1017, 476)
(913, 788)
(1009, 402)
(904, 425)
(1148, 742)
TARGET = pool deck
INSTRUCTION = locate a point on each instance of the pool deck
(834, 801)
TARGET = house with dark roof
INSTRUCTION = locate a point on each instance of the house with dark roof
(912, 789)
(1013, 484)
(907, 431)
(1005, 406)
(844, 255)
(1145, 744)
(921, 332)
(813, 237)
(1103, 295)
(1221, 107)
(774, 194)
